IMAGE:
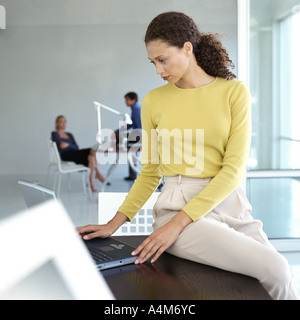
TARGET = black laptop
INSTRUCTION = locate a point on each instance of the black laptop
(107, 253)
(110, 253)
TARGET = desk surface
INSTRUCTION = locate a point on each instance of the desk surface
(172, 278)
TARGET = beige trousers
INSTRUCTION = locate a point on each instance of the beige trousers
(227, 238)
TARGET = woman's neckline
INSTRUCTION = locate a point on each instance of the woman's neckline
(197, 88)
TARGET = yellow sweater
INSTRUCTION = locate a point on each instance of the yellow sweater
(203, 133)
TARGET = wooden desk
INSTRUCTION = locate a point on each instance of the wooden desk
(172, 278)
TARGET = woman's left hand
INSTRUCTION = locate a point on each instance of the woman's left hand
(161, 239)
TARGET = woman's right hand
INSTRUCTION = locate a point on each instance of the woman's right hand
(95, 231)
(92, 231)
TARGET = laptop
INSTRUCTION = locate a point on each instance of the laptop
(37, 265)
(106, 253)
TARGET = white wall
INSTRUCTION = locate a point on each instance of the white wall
(58, 56)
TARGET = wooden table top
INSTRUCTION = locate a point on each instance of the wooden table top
(172, 278)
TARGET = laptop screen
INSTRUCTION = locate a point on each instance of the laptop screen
(34, 193)
(38, 264)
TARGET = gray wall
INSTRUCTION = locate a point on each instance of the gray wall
(58, 56)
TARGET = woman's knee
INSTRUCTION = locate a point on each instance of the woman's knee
(277, 267)
(276, 277)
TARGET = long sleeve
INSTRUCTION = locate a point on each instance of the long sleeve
(136, 116)
(57, 139)
(149, 177)
(234, 160)
(71, 141)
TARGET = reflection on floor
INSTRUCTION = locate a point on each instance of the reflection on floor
(84, 210)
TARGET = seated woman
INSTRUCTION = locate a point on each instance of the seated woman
(69, 150)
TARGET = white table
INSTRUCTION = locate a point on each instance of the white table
(119, 155)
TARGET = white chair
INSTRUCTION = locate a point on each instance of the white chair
(108, 204)
(53, 163)
(52, 160)
(63, 168)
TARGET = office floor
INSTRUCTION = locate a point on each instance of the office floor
(84, 210)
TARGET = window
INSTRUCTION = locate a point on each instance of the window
(273, 177)
(288, 94)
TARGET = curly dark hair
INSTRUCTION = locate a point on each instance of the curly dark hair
(176, 28)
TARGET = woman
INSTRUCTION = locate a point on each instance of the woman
(202, 213)
(69, 150)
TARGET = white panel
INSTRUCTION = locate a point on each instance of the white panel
(109, 203)
(2, 18)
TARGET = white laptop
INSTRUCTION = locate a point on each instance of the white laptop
(107, 253)
(42, 257)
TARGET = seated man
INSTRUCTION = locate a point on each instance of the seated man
(133, 131)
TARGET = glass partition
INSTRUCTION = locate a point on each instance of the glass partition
(276, 203)
(273, 182)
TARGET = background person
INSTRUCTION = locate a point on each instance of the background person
(69, 151)
(133, 131)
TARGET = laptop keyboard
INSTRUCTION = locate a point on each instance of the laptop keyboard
(98, 256)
